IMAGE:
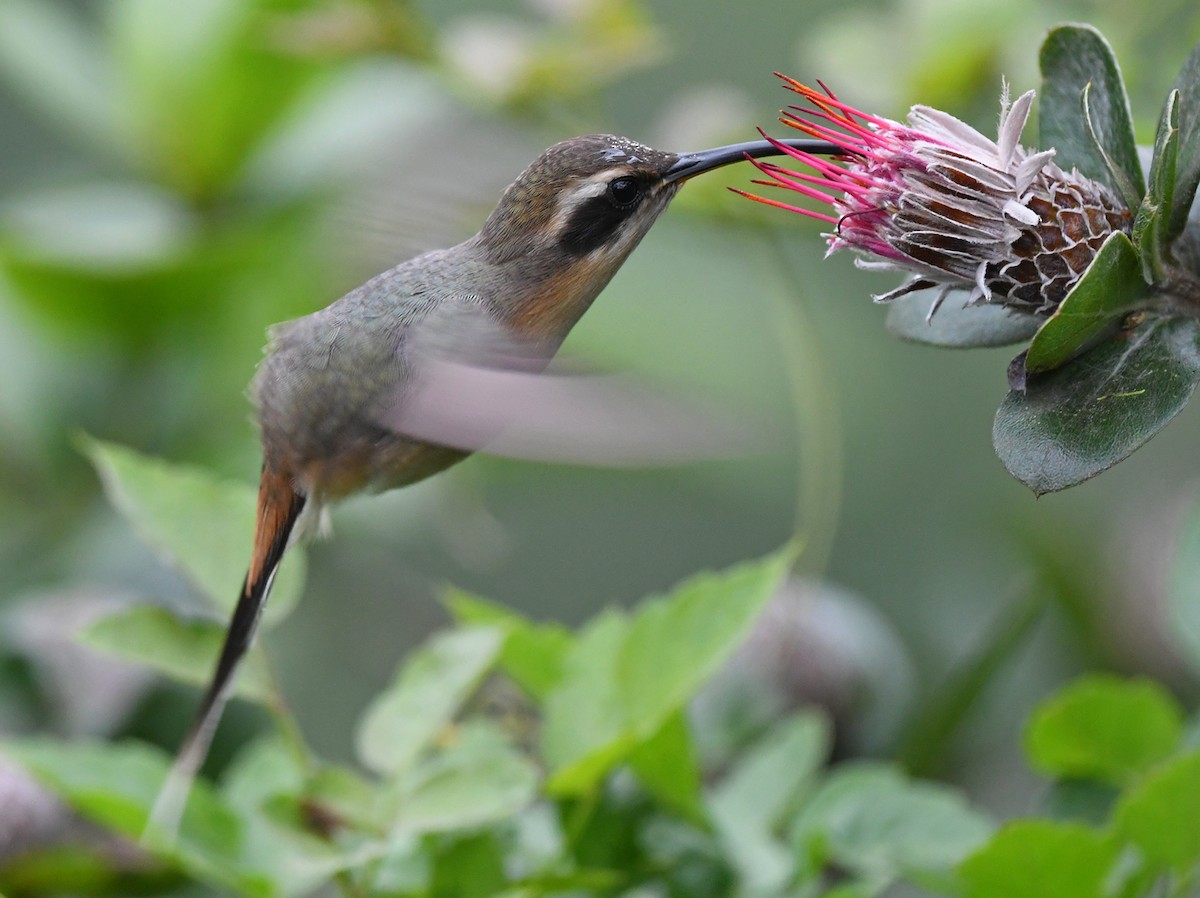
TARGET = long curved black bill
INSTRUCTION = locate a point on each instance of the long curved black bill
(688, 165)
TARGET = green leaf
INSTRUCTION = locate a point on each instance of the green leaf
(676, 642)
(107, 231)
(1105, 728)
(185, 650)
(1083, 801)
(955, 326)
(1081, 419)
(1151, 226)
(1159, 816)
(1078, 63)
(689, 861)
(203, 88)
(1130, 192)
(773, 774)
(468, 867)
(115, 785)
(850, 890)
(585, 731)
(430, 688)
(1110, 289)
(346, 796)
(750, 802)
(1038, 858)
(1187, 164)
(1184, 588)
(626, 675)
(869, 818)
(48, 54)
(666, 764)
(533, 653)
(79, 869)
(264, 769)
(201, 524)
(404, 869)
(478, 779)
(263, 777)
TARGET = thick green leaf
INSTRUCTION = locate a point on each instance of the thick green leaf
(478, 779)
(1078, 420)
(200, 523)
(1159, 816)
(1111, 288)
(185, 650)
(430, 688)
(1105, 728)
(1152, 225)
(1184, 594)
(471, 866)
(871, 819)
(1187, 164)
(1077, 61)
(115, 785)
(666, 764)
(956, 326)
(750, 802)
(675, 643)
(626, 675)
(533, 653)
(585, 731)
(1040, 858)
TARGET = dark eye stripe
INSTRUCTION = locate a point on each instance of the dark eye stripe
(592, 223)
(595, 220)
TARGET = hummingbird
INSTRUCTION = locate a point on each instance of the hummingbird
(335, 389)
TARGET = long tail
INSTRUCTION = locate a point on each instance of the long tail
(279, 505)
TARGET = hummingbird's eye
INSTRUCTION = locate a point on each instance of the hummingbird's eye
(624, 191)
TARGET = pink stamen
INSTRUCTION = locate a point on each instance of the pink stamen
(818, 163)
(829, 102)
(805, 189)
(786, 206)
(848, 180)
(854, 128)
(860, 183)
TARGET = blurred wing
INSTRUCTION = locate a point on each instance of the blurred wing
(512, 407)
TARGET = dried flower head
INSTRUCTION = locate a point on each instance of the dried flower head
(938, 199)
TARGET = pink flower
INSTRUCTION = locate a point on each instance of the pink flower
(937, 199)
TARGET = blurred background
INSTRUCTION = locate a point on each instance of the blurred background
(176, 177)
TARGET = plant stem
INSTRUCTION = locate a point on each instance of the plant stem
(924, 745)
(817, 417)
(285, 720)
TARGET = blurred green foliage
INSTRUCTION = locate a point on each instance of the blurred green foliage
(176, 177)
(591, 778)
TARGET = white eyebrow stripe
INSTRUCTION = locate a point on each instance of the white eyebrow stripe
(583, 191)
(569, 200)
